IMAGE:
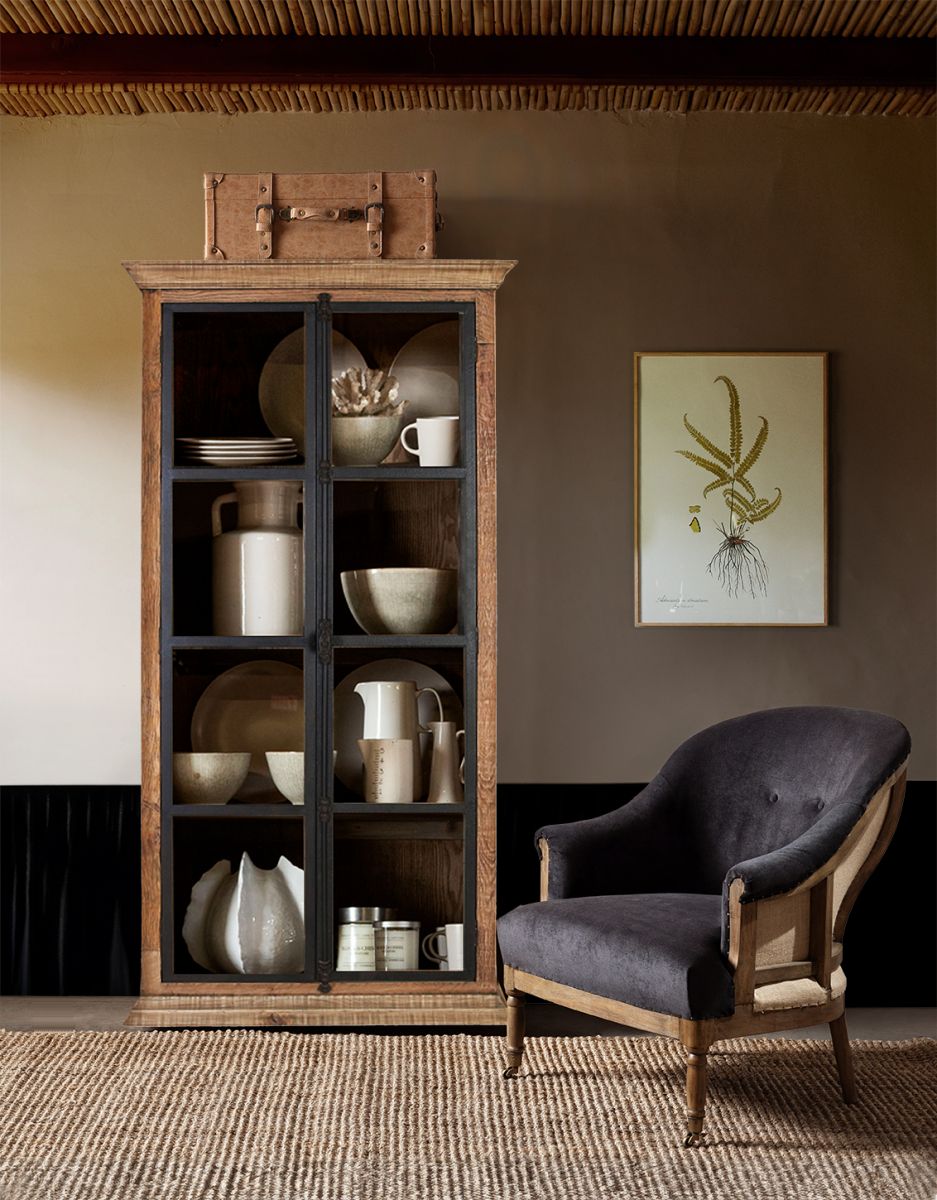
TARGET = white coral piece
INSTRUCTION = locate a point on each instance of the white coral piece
(361, 392)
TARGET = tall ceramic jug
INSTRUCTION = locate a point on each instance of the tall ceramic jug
(390, 711)
(257, 568)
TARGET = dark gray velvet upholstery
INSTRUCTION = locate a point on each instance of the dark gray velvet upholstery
(658, 951)
(767, 798)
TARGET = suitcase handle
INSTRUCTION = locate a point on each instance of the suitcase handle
(295, 213)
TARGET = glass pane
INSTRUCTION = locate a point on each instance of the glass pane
(237, 385)
(237, 554)
(391, 370)
(396, 557)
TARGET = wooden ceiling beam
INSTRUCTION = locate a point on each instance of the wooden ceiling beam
(468, 61)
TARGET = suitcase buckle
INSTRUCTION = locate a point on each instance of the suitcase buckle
(380, 216)
(264, 224)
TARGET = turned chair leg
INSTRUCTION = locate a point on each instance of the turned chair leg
(841, 1048)
(695, 1096)
(515, 1038)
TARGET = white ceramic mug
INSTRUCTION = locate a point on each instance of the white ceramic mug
(437, 441)
(388, 770)
(434, 947)
(444, 946)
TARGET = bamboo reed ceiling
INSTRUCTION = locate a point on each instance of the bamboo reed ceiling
(803, 23)
(553, 18)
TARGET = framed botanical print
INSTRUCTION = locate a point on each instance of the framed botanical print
(730, 488)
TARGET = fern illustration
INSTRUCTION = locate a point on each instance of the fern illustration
(738, 562)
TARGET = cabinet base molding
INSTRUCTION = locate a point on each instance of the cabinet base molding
(273, 1011)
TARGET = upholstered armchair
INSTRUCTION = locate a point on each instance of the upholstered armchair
(713, 904)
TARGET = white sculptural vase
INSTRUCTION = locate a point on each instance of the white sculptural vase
(247, 923)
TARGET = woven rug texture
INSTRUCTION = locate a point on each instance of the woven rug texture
(250, 1115)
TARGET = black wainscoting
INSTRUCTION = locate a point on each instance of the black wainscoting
(70, 888)
(70, 891)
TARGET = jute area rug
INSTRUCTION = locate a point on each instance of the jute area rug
(286, 1116)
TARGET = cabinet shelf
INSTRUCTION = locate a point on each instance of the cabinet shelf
(277, 812)
(340, 474)
(197, 642)
(405, 641)
(232, 474)
(419, 808)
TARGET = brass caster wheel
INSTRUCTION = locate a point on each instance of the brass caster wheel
(693, 1139)
(509, 1073)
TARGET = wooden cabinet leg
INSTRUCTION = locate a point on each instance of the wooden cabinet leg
(515, 1038)
(843, 1052)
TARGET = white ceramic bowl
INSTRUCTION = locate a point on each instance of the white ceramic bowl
(402, 599)
(208, 778)
(287, 772)
(363, 441)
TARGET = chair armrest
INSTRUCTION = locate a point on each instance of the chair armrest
(627, 850)
(791, 868)
(806, 864)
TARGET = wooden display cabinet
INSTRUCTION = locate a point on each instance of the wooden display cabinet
(208, 331)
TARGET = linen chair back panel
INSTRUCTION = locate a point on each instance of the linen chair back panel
(753, 784)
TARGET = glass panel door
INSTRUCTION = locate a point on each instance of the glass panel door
(398, 865)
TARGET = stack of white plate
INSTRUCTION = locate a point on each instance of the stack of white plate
(238, 452)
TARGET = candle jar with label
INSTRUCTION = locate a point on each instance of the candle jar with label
(397, 945)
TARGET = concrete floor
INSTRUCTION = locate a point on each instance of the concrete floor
(108, 1012)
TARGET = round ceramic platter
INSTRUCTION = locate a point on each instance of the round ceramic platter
(256, 706)
(281, 382)
(247, 441)
(239, 462)
(427, 369)
(286, 452)
(259, 460)
(349, 709)
(239, 444)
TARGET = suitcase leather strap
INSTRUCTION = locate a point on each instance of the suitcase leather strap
(374, 214)
(263, 216)
(212, 250)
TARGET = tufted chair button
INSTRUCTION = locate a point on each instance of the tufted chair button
(773, 798)
(821, 804)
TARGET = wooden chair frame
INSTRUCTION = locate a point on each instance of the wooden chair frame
(825, 953)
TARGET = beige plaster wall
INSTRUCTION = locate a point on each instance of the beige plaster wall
(649, 233)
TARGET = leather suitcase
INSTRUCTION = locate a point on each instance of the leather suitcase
(373, 214)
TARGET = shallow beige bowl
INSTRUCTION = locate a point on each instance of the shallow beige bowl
(402, 599)
(208, 778)
(363, 441)
(287, 771)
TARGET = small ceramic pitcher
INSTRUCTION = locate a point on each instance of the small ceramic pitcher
(445, 784)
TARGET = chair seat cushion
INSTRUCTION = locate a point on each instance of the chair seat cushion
(659, 951)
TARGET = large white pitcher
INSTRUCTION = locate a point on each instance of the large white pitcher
(390, 711)
(257, 574)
